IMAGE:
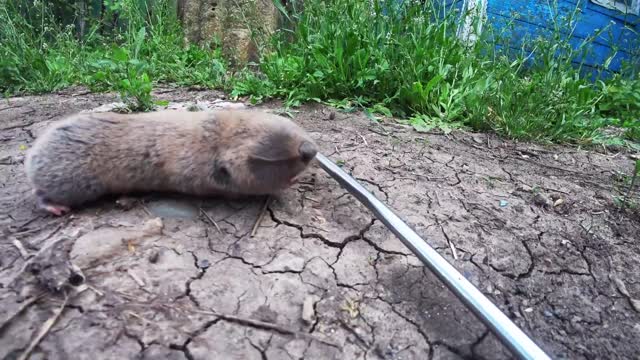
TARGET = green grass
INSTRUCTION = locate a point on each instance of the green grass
(40, 53)
(412, 65)
(347, 53)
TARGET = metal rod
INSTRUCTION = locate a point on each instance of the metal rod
(508, 333)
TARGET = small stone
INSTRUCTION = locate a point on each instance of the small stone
(126, 203)
(548, 313)
(524, 188)
(6, 160)
(528, 310)
(504, 203)
(264, 313)
(308, 312)
(153, 258)
(153, 227)
(386, 350)
(555, 196)
(332, 115)
(558, 202)
(76, 278)
(18, 159)
(194, 107)
(541, 200)
(203, 263)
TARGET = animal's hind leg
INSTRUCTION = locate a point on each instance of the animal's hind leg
(46, 205)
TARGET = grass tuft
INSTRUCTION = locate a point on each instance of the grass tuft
(405, 57)
(130, 46)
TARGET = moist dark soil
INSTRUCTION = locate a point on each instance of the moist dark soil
(157, 276)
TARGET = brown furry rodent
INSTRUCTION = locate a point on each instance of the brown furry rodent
(224, 152)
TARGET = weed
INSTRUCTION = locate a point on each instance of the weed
(424, 123)
(404, 57)
(626, 200)
(255, 85)
(130, 46)
(126, 73)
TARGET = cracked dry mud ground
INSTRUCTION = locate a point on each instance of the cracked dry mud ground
(566, 274)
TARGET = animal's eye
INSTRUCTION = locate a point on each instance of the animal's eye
(221, 173)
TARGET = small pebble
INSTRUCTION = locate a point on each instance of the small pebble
(6, 160)
(153, 258)
(76, 279)
(203, 263)
(308, 312)
(541, 200)
(126, 203)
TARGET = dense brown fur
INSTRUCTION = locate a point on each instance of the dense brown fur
(226, 152)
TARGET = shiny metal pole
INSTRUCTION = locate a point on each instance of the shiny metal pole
(510, 335)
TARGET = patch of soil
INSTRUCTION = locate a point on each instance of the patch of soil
(535, 228)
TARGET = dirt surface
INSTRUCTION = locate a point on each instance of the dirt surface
(534, 228)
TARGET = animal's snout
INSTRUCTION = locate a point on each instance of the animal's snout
(307, 151)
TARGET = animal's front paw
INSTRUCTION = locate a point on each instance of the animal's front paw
(44, 204)
(57, 210)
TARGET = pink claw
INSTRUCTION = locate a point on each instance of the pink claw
(57, 210)
(45, 205)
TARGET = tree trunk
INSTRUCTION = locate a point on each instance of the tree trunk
(82, 18)
(180, 4)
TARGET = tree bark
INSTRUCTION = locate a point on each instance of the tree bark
(82, 18)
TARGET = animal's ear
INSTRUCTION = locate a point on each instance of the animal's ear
(220, 173)
(273, 148)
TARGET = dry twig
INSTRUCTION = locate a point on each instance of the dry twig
(449, 242)
(364, 140)
(22, 308)
(213, 222)
(260, 324)
(135, 278)
(260, 216)
(21, 249)
(44, 330)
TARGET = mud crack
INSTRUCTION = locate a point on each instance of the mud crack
(201, 271)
